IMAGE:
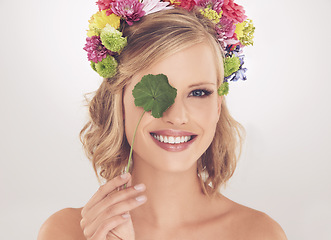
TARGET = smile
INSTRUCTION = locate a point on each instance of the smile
(172, 139)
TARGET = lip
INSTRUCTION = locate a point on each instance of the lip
(172, 132)
(173, 147)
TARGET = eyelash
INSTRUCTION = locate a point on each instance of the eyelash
(204, 93)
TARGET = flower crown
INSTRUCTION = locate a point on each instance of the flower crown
(105, 41)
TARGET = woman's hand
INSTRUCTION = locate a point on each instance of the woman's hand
(106, 215)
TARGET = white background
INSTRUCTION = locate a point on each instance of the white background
(284, 106)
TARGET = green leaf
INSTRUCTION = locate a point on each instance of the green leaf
(154, 93)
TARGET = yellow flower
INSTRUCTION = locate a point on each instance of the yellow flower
(239, 29)
(211, 14)
(175, 2)
(99, 20)
(245, 32)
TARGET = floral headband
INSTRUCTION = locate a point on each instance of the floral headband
(105, 40)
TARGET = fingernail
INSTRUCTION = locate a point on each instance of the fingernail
(140, 187)
(126, 215)
(141, 198)
(125, 175)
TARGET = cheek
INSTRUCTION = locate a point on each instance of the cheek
(132, 115)
(130, 112)
(204, 111)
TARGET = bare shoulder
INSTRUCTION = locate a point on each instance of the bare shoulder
(64, 224)
(261, 226)
(252, 224)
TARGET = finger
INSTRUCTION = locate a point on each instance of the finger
(114, 198)
(112, 235)
(105, 189)
(108, 225)
(129, 184)
(118, 209)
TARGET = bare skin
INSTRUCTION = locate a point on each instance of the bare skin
(164, 199)
(166, 215)
(215, 218)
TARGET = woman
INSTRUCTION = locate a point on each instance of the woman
(180, 160)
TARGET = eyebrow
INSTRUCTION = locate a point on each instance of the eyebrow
(202, 83)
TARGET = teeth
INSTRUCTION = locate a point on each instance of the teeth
(171, 139)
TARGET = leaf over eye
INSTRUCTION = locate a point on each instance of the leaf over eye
(154, 93)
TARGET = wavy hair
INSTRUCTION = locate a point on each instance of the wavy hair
(153, 38)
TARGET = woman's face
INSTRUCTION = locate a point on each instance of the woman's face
(175, 141)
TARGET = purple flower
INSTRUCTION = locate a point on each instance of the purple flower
(215, 5)
(239, 75)
(241, 58)
(95, 50)
(130, 10)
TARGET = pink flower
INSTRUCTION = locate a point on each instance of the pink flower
(187, 4)
(227, 26)
(233, 11)
(104, 4)
(95, 50)
(130, 10)
(215, 5)
(225, 30)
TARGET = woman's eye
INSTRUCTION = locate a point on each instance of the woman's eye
(199, 93)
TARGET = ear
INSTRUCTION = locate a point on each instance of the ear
(219, 104)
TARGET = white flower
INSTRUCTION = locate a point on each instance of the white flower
(152, 6)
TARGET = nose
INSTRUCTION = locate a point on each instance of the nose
(177, 114)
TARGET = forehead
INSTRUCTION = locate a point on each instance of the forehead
(187, 67)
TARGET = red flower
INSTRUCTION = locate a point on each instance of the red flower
(187, 4)
(104, 4)
(233, 11)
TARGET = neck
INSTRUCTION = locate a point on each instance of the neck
(172, 198)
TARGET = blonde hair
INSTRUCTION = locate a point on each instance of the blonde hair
(153, 38)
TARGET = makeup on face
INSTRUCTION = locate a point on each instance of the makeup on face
(173, 140)
(176, 141)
